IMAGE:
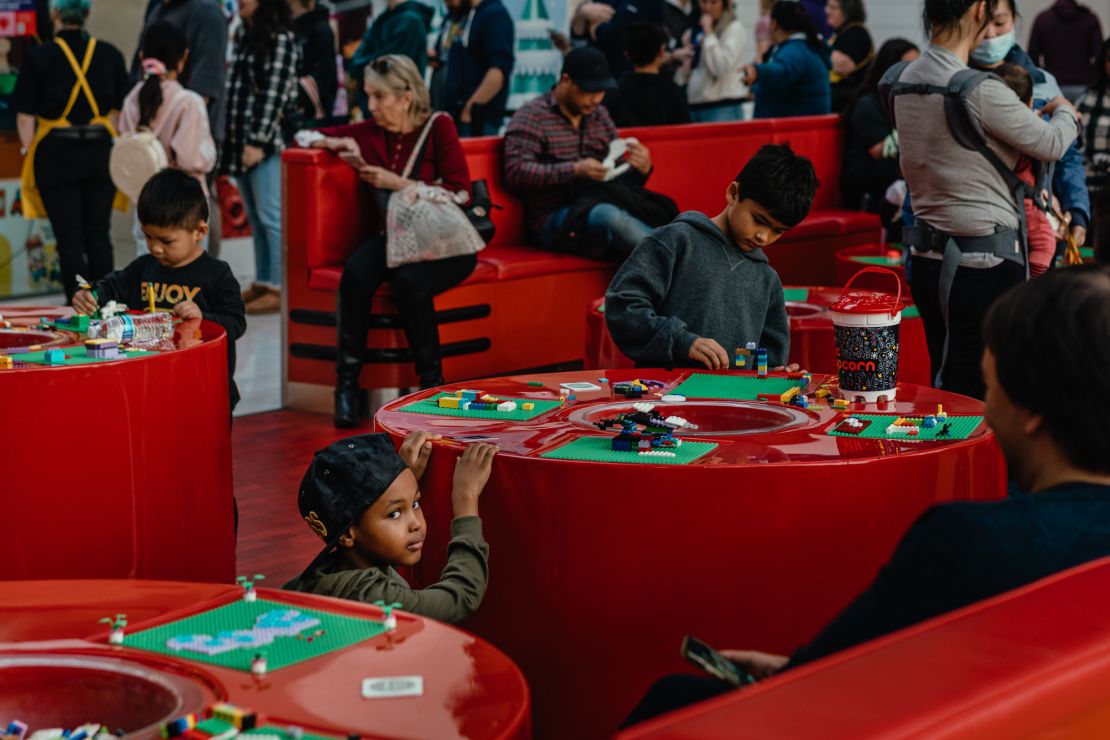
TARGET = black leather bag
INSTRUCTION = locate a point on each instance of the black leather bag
(479, 210)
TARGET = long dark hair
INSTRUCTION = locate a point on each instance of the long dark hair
(889, 54)
(271, 18)
(792, 18)
(854, 11)
(164, 42)
(944, 15)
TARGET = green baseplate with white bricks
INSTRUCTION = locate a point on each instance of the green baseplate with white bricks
(600, 449)
(430, 407)
(962, 428)
(75, 355)
(339, 632)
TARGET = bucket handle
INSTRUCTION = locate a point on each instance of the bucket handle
(881, 271)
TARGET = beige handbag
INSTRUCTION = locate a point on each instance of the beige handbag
(425, 222)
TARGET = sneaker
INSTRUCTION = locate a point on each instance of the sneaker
(256, 291)
(268, 302)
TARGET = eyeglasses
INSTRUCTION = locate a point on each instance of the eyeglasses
(381, 65)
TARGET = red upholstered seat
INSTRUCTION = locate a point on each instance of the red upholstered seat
(1034, 662)
(519, 294)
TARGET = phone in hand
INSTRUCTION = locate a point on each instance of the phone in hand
(355, 160)
(713, 663)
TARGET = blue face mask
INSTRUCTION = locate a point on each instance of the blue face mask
(993, 51)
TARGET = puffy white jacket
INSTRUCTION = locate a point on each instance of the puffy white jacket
(717, 76)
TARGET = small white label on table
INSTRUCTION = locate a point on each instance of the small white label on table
(392, 687)
(580, 386)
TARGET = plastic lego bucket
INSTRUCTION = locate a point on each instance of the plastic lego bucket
(866, 329)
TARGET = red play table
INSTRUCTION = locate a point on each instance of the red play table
(812, 345)
(127, 464)
(470, 688)
(851, 260)
(599, 569)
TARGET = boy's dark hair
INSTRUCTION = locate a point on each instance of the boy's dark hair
(643, 41)
(167, 43)
(1049, 338)
(172, 199)
(793, 18)
(941, 15)
(1017, 79)
(780, 181)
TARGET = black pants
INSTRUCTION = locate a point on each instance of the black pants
(414, 288)
(1099, 237)
(973, 292)
(72, 177)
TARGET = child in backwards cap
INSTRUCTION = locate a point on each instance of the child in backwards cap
(360, 495)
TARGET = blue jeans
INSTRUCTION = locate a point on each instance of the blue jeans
(617, 229)
(261, 191)
(718, 113)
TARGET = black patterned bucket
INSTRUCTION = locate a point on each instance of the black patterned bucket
(866, 327)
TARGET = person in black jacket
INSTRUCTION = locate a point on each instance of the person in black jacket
(959, 553)
(319, 79)
(645, 96)
(184, 279)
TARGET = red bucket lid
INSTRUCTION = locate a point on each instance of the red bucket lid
(859, 301)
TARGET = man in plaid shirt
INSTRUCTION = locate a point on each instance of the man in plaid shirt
(562, 136)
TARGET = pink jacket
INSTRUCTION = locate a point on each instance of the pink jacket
(180, 124)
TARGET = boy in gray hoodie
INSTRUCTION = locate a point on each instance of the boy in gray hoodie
(700, 285)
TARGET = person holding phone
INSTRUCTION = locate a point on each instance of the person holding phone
(960, 553)
(379, 149)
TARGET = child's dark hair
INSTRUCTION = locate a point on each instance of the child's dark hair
(174, 200)
(945, 15)
(780, 181)
(165, 42)
(854, 11)
(793, 18)
(643, 41)
(1063, 316)
(1017, 79)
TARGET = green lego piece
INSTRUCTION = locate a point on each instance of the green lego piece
(535, 383)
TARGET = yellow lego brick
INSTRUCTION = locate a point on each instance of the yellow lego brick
(840, 403)
(785, 397)
(822, 393)
(528, 406)
(448, 402)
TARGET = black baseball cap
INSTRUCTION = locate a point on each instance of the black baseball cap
(588, 68)
(344, 480)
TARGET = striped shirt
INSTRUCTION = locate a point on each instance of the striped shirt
(260, 93)
(541, 147)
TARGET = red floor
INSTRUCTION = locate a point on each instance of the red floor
(270, 453)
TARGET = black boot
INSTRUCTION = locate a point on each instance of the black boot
(429, 366)
(351, 344)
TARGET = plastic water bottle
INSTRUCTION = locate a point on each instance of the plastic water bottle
(147, 328)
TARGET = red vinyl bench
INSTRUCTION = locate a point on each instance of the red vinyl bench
(1034, 662)
(522, 308)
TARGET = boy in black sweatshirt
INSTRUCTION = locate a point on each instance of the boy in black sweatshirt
(185, 279)
(699, 287)
(647, 96)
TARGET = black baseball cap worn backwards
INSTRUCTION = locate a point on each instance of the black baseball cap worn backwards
(344, 480)
(589, 70)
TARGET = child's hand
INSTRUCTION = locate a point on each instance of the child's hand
(791, 368)
(415, 451)
(709, 353)
(471, 473)
(187, 310)
(84, 303)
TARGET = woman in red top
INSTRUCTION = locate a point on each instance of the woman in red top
(399, 104)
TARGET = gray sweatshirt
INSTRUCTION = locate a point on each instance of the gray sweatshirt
(956, 190)
(688, 280)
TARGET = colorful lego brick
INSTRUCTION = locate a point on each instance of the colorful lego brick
(742, 358)
(528, 406)
(6, 362)
(822, 393)
(789, 395)
(468, 395)
(801, 401)
(177, 727)
(448, 402)
(840, 403)
(535, 384)
(941, 413)
(54, 357)
(237, 716)
(929, 422)
(506, 406)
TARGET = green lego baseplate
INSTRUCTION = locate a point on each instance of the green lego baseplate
(876, 259)
(796, 295)
(743, 386)
(428, 406)
(282, 733)
(238, 628)
(962, 427)
(600, 449)
(75, 355)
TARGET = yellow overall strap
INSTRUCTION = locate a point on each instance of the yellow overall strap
(82, 83)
